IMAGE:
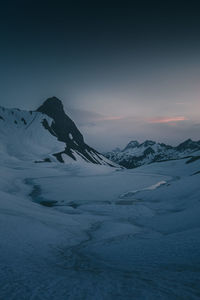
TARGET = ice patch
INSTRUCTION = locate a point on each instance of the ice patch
(149, 188)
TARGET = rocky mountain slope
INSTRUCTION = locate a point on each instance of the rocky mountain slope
(136, 154)
(46, 134)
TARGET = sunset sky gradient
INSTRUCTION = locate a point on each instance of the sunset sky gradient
(124, 70)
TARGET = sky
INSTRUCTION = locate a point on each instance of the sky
(125, 70)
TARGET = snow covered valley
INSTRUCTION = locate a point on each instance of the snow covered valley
(85, 231)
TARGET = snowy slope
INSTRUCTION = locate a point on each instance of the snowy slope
(135, 154)
(47, 134)
(23, 137)
(93, 242)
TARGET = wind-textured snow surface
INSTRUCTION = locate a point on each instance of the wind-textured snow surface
(85, 231)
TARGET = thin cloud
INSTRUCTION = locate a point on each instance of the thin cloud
(167, 120)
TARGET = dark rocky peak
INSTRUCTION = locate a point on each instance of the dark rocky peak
(147, 143)
(66, 131)
(64, 128)
(131, 145)
(188, 144)
(51, 117)
(52, 107)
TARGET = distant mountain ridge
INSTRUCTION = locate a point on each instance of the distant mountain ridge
(136, 154)
(44, 135)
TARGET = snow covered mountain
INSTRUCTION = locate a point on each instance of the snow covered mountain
(136, 154)
(46, 134)
(89, 231)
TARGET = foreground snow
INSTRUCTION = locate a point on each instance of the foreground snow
(94, 232)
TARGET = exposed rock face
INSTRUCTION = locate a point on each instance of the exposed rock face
(66, 131)
(45, 135)
(64, 128)
(188, 144)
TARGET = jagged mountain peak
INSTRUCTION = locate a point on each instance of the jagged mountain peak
(135, 154)
(147, 143)
(63, 126)
(52, 105)
(131, 144)
(47, 134)
(135, 144)
(188, 144)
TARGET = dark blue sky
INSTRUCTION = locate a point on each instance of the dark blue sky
(124, 69)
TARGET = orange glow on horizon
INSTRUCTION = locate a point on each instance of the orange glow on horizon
(168, 120)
